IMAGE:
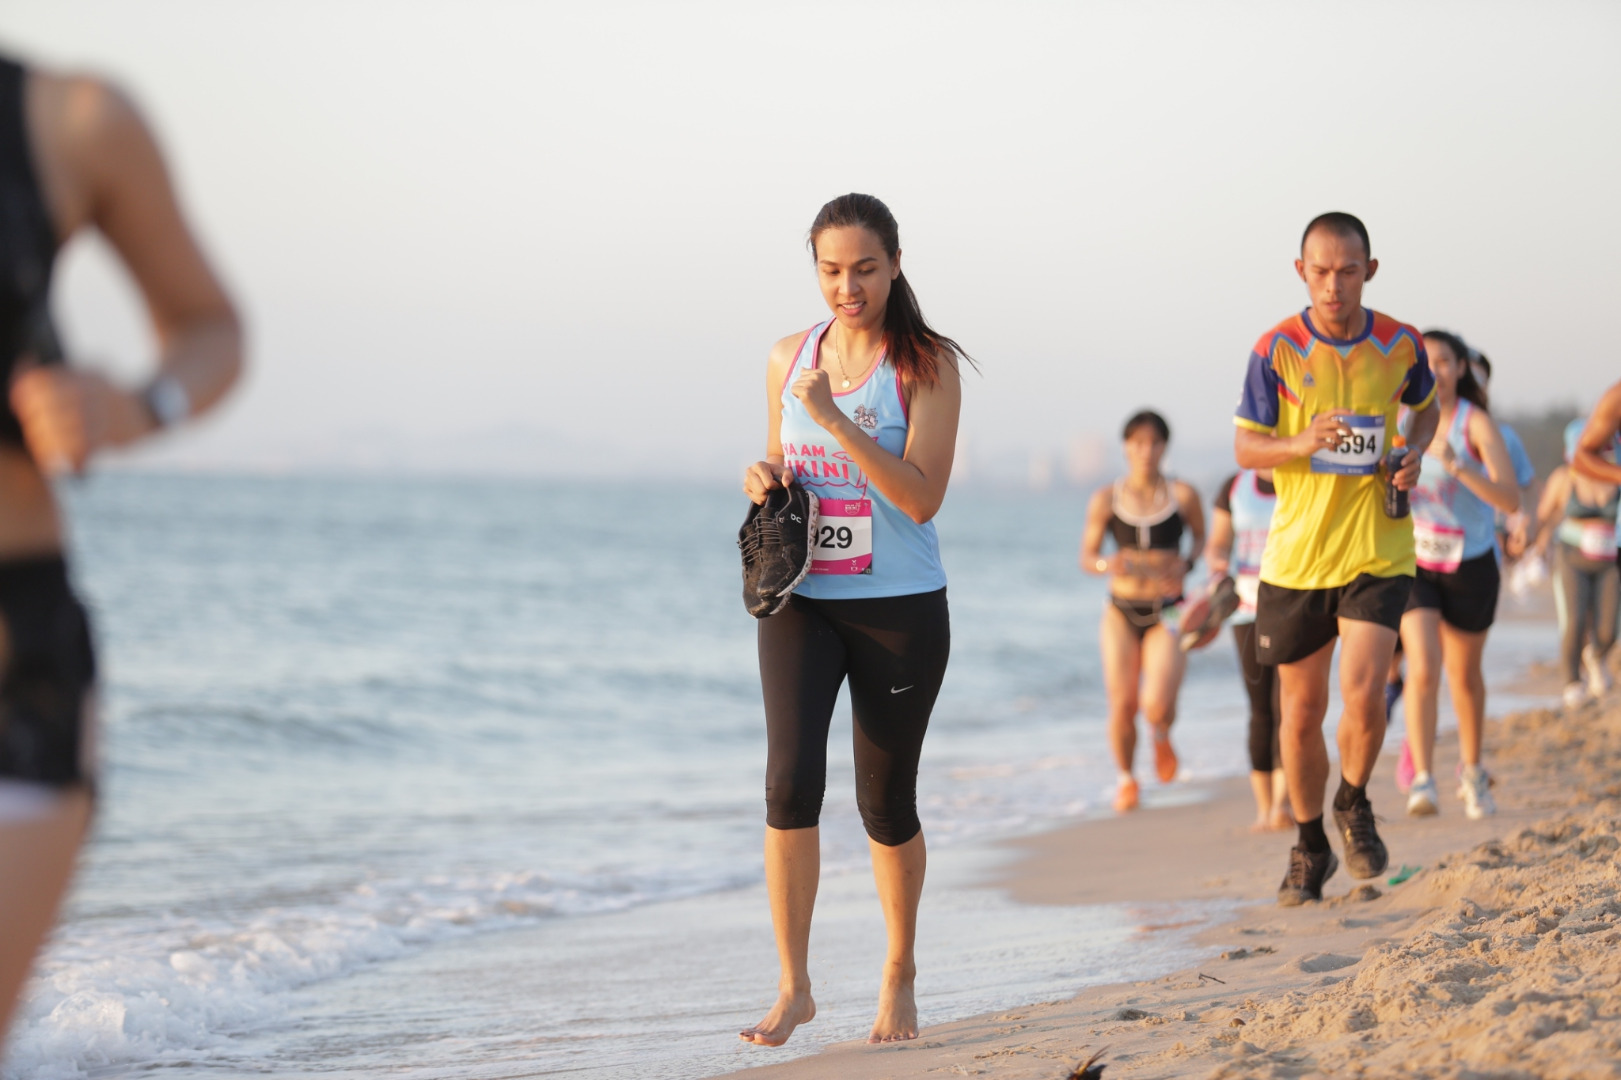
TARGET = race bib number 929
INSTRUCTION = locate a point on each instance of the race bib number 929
(843, 540)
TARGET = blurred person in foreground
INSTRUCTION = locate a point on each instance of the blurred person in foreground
(1601, 433)
(74, 155)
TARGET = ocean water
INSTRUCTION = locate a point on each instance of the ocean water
(464, 778)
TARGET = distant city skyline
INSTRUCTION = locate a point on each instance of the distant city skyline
(512, 238)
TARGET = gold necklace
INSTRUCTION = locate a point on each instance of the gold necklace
(839, 356)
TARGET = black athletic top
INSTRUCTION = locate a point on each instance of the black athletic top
(1159, 531)
(27, 249)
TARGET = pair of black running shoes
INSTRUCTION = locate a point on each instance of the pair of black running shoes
(777, 544)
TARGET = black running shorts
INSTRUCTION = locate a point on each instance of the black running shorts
(47, 673)
(1466, 598)
(892, 652)
(1291, 624)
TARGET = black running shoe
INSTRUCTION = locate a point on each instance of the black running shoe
(1365, 854)
(1306, 875)
(776, 543)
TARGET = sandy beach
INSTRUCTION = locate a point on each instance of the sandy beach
(1496, 958)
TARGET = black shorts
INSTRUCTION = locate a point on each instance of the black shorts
(1466, 598)
(47, 673)
(1291, 624)
(892, 651)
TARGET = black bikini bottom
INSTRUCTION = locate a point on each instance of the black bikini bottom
(47, 673)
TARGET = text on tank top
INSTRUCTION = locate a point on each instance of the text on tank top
(1451, 524)
(865, 545)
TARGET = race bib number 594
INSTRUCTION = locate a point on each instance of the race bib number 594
(1358, 451)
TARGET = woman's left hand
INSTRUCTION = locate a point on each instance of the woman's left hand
(815, 391)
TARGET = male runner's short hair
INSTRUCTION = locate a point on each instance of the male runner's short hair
(1147, 418)
(1340, 224)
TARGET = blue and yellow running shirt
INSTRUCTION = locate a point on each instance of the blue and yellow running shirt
(1330, 523)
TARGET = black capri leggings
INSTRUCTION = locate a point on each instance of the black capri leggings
(893, 649)
(1261, 683)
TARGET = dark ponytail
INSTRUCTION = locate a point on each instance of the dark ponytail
(915, 348)
(1469, 387)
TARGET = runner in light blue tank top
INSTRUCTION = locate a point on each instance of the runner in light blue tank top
(861, 412)
(1467, 477)
(1451, 524)
(866, 545)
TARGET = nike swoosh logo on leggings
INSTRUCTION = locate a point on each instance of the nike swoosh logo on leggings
(902, 690)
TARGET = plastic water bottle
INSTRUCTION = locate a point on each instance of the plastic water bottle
(1396, 503)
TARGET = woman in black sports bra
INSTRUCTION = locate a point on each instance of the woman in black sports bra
(1147, 514)
(73, 155)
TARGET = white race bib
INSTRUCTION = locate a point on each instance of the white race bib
(1359, 449)
(843, 537)
(1598, 540)
(1438, 547)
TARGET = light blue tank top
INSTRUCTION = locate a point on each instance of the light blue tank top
(905, 556)
(1443, 507)
(1251, 511)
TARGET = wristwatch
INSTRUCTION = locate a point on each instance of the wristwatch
(166, 400)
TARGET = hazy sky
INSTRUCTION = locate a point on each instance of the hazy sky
(563, 237)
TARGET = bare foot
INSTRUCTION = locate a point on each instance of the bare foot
(1282, 819)
(1262, 824)
(791, 1010)
(897, 1011)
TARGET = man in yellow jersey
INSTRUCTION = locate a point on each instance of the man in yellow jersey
(1319, 408)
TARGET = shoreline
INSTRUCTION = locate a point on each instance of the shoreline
(1487, 961)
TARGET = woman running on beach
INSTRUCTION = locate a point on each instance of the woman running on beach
(862, 411)
(1453, 601)
(73, 155)
(1238, 527)
(1146, 514)
(1577, 517)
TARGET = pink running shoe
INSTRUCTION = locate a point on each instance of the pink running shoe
(1404, 768)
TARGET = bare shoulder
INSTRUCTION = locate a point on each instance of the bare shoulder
(88, 112)
(1186, 493)
(783, 354)
(946, 387)
(1101, 502)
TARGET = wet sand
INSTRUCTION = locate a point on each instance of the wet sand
(1500, 957)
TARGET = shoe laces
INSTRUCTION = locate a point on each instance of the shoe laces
(1299, 866)
(1360, 828)
(765, 532)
